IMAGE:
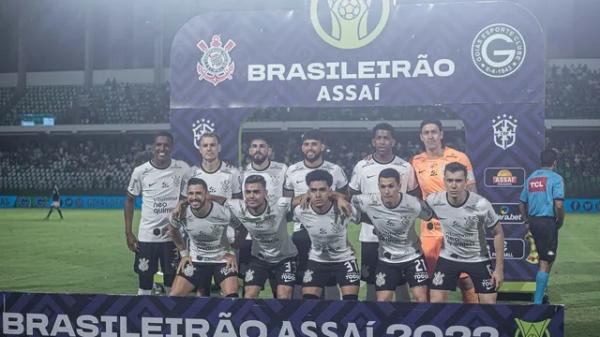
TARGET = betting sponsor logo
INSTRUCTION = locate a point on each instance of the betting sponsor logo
(514, 248)
(505, 131)
(498, 50)
(504, 176)
(508, 213)
(215, 65)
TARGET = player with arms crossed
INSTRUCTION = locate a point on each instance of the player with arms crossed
(313, 147)
(393, 215)
(544, 213)
(209, 254)
(160, 182)
(364, 180)
(429, 166)
(465, 216)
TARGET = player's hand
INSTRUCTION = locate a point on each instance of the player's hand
(498, 278)
(132, 242)
(231, 261)
(178, 210)
(344, 206)
(185, 260)
(304, 201)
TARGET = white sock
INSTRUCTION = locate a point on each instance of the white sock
(144, 291)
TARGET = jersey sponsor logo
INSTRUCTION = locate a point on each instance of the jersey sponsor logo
(308, 276)
(380, 279)
(532, 329)
(421, 276)
(537, 184)
(488, 284)
(350, 18)
(215, 65)
(504, 176)
(498, 50)
(438, 278)
(353, 276)
(143, 264)
(505, 131)
(226, 270)
(288, 277)
(200, 127)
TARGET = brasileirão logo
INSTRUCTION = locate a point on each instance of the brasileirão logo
(349, 28)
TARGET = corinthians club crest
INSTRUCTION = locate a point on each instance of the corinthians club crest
(505, 131)
(215, 65)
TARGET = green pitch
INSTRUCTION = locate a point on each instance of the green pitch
(86, 253)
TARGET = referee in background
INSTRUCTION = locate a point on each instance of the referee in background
(542, 208)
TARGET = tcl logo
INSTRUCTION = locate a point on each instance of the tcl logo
(537, 184)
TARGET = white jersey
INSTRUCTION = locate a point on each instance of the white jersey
(365, 180)
(160, 190)
(274, 175)
(224, 182)
(464, 226)
(395, 227)
(295, 179)
(208, 235)
(270, 239)
(328, 234)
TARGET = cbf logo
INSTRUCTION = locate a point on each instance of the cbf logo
(532, 329)
(505, 131)
(349, 29)
(201, 127)
(215, 65)
(498, 50)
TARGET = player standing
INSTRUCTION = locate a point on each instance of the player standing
(464, 217)
(429, 166)
(313, 147)
(543, 210)
(364, 180)
(393, 215)
(160, 182)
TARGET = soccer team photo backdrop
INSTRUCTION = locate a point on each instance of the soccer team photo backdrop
(487, 67)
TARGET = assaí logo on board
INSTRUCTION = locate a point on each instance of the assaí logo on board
(349, 20)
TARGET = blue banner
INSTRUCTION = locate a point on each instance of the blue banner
(135, 316)
(582, 205)
(67, 201)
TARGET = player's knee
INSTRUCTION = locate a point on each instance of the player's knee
(350, 297)
(310, 297)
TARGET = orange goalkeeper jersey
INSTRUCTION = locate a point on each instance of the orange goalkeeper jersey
(430, 175)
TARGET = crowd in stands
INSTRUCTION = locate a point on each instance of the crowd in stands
(103, 164)
(571, 92)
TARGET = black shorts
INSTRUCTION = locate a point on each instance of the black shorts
(368, 261)
(259, 271)
(200, 274)
(318, 274)
(545, 235)
(302, 242)
(244, 256)
(391, 275)
(447, 273)
(149, 254)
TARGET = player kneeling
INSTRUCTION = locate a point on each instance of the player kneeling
(209, 255)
